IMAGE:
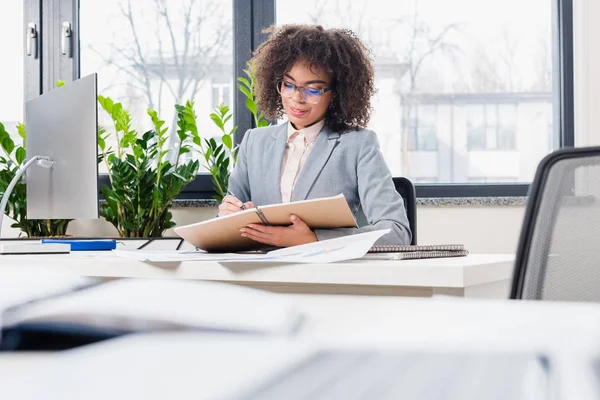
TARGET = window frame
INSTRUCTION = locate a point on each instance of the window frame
(249, 19)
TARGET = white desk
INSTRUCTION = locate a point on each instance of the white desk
(196, 365)
(476, 275)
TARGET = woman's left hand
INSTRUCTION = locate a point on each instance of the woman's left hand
(280, 236)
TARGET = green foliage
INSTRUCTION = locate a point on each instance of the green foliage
(220, 158)
(12, 157)
(247, 87)
(143, 182)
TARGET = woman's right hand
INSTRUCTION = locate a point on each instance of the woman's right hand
(232, 205)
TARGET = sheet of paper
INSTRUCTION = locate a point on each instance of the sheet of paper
(325, 251)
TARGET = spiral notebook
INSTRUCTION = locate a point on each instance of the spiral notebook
(411, 252)
(413, 255)
(416, 248)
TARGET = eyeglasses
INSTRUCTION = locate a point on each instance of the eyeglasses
(309, 95)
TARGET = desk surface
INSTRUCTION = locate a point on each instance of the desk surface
(456, 272)
(196, 365)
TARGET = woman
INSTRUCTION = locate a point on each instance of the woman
(322, 80)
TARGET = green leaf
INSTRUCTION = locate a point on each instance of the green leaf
(8, 145)
(227, 141)
(245, 82)
(250, 105)
(217, 120)
(244, 90)
(20, 155)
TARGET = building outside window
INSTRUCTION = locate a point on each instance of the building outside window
(422, 128)
(491, 126)
(221, 94)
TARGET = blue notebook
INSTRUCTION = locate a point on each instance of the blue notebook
(86, 244)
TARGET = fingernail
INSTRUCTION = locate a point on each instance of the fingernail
(240, 204)
(244, 235)
(242, 230)
(293, 218)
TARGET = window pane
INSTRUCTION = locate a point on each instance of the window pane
(155, 54)
(12, 84)
(507, 127)
(475, 121)
(468, 58)
(427, 127)
(412, 129)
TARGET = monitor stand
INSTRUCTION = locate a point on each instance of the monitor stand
(34, 248)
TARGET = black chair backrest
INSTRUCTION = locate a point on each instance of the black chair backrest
(407, 191)
(557, 255)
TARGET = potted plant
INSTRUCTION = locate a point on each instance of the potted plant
(143, 180)
(12, 156)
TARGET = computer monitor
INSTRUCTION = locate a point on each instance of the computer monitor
(63, 125)
(62, 158)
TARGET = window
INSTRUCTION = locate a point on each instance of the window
(448, 60)
(422, 128)
(481, 59)
(491, 127)
(155, 54)
(12, 83)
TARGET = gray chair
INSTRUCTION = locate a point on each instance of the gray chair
(558, 256)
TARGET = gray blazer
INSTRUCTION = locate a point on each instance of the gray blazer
(350, 163)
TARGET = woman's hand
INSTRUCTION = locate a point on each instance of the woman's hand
(280, 236)
(232, 205)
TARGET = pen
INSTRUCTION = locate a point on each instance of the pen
(229, 192)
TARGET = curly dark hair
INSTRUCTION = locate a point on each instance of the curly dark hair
(338, 51)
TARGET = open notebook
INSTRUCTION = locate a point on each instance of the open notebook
(223, 233)
(105, 310)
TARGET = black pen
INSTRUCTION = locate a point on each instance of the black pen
(229, 192)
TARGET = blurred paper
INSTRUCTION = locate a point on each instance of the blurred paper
(133, 305)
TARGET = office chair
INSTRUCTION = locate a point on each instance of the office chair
(407, 191)
(558, 255)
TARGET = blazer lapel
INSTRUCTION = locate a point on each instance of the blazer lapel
(273, 159)
(322, 148)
